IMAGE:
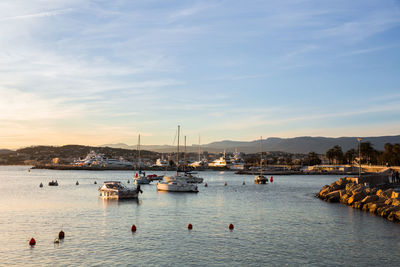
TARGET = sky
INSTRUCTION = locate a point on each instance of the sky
(100, 72)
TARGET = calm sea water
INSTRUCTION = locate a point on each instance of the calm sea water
(275, 224)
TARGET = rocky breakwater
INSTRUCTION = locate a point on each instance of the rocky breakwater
(385, 203)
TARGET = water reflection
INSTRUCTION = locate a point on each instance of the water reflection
(109, 203)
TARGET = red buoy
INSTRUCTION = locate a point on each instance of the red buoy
(133, 228)
(61, 234)
(190, 226)
(32, 242)
(272, 179)
(231, 227)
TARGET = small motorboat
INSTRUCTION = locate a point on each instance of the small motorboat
(53, 183)
(140, 178)
(260, 179)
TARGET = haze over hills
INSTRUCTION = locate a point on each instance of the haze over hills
(304, 144)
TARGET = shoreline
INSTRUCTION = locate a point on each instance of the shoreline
(380, 199)
(240, 172)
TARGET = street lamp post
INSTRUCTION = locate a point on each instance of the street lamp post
(359, 157)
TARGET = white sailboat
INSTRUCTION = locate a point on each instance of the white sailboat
(178, 182)
(260, 179)
(190, 177)
(140, 178)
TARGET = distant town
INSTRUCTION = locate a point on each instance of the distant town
(107, 158)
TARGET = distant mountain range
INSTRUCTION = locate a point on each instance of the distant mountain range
(301, 145)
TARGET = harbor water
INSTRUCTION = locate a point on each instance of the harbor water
(274, 224)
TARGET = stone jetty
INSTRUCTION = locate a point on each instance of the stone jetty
(379, 200)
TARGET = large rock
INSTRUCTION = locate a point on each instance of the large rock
(386, 210)
(397, 215)
(356, 197)
(333, 196)
(345, 198)
(396, 202)
(324, 192)
(374, 206)
(387, 193)
(350, 186)
(357, 205)
(389, 201)
(381, 200)
(379, 192)
(369, 199)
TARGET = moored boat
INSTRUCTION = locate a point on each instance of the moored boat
(155, 177)
(116, 190)
(188, 177)
(177, 186)
(178, 182)
(260, 179)
(53, 183)
(140, 178)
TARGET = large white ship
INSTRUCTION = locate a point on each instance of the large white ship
(99, 159)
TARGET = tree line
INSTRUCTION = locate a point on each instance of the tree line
(369, 155)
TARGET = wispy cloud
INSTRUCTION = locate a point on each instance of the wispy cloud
(189, 11)
(368, 50)
(38, 15)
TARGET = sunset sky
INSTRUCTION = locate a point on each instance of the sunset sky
(98, 72)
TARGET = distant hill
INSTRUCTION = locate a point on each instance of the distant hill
(304, 144)
(5, 151)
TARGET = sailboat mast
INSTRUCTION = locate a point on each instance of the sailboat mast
(199, 148)
(138, 148)
(184, 156)
(177, 155)
(260, 155)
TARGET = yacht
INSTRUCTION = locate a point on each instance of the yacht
(99, 159)
(221, 162)
(116, 190)
(178, 182)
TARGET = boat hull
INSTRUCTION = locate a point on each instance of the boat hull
(142, 181)
(114, 190)
(187, 179)
(177, 187)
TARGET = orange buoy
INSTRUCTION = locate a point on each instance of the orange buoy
(133, 228)
(272, 179)
(190, 226)
(231, 227)
(61, 234)
(32, 242)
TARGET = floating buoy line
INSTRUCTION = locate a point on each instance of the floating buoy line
(61, 234)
